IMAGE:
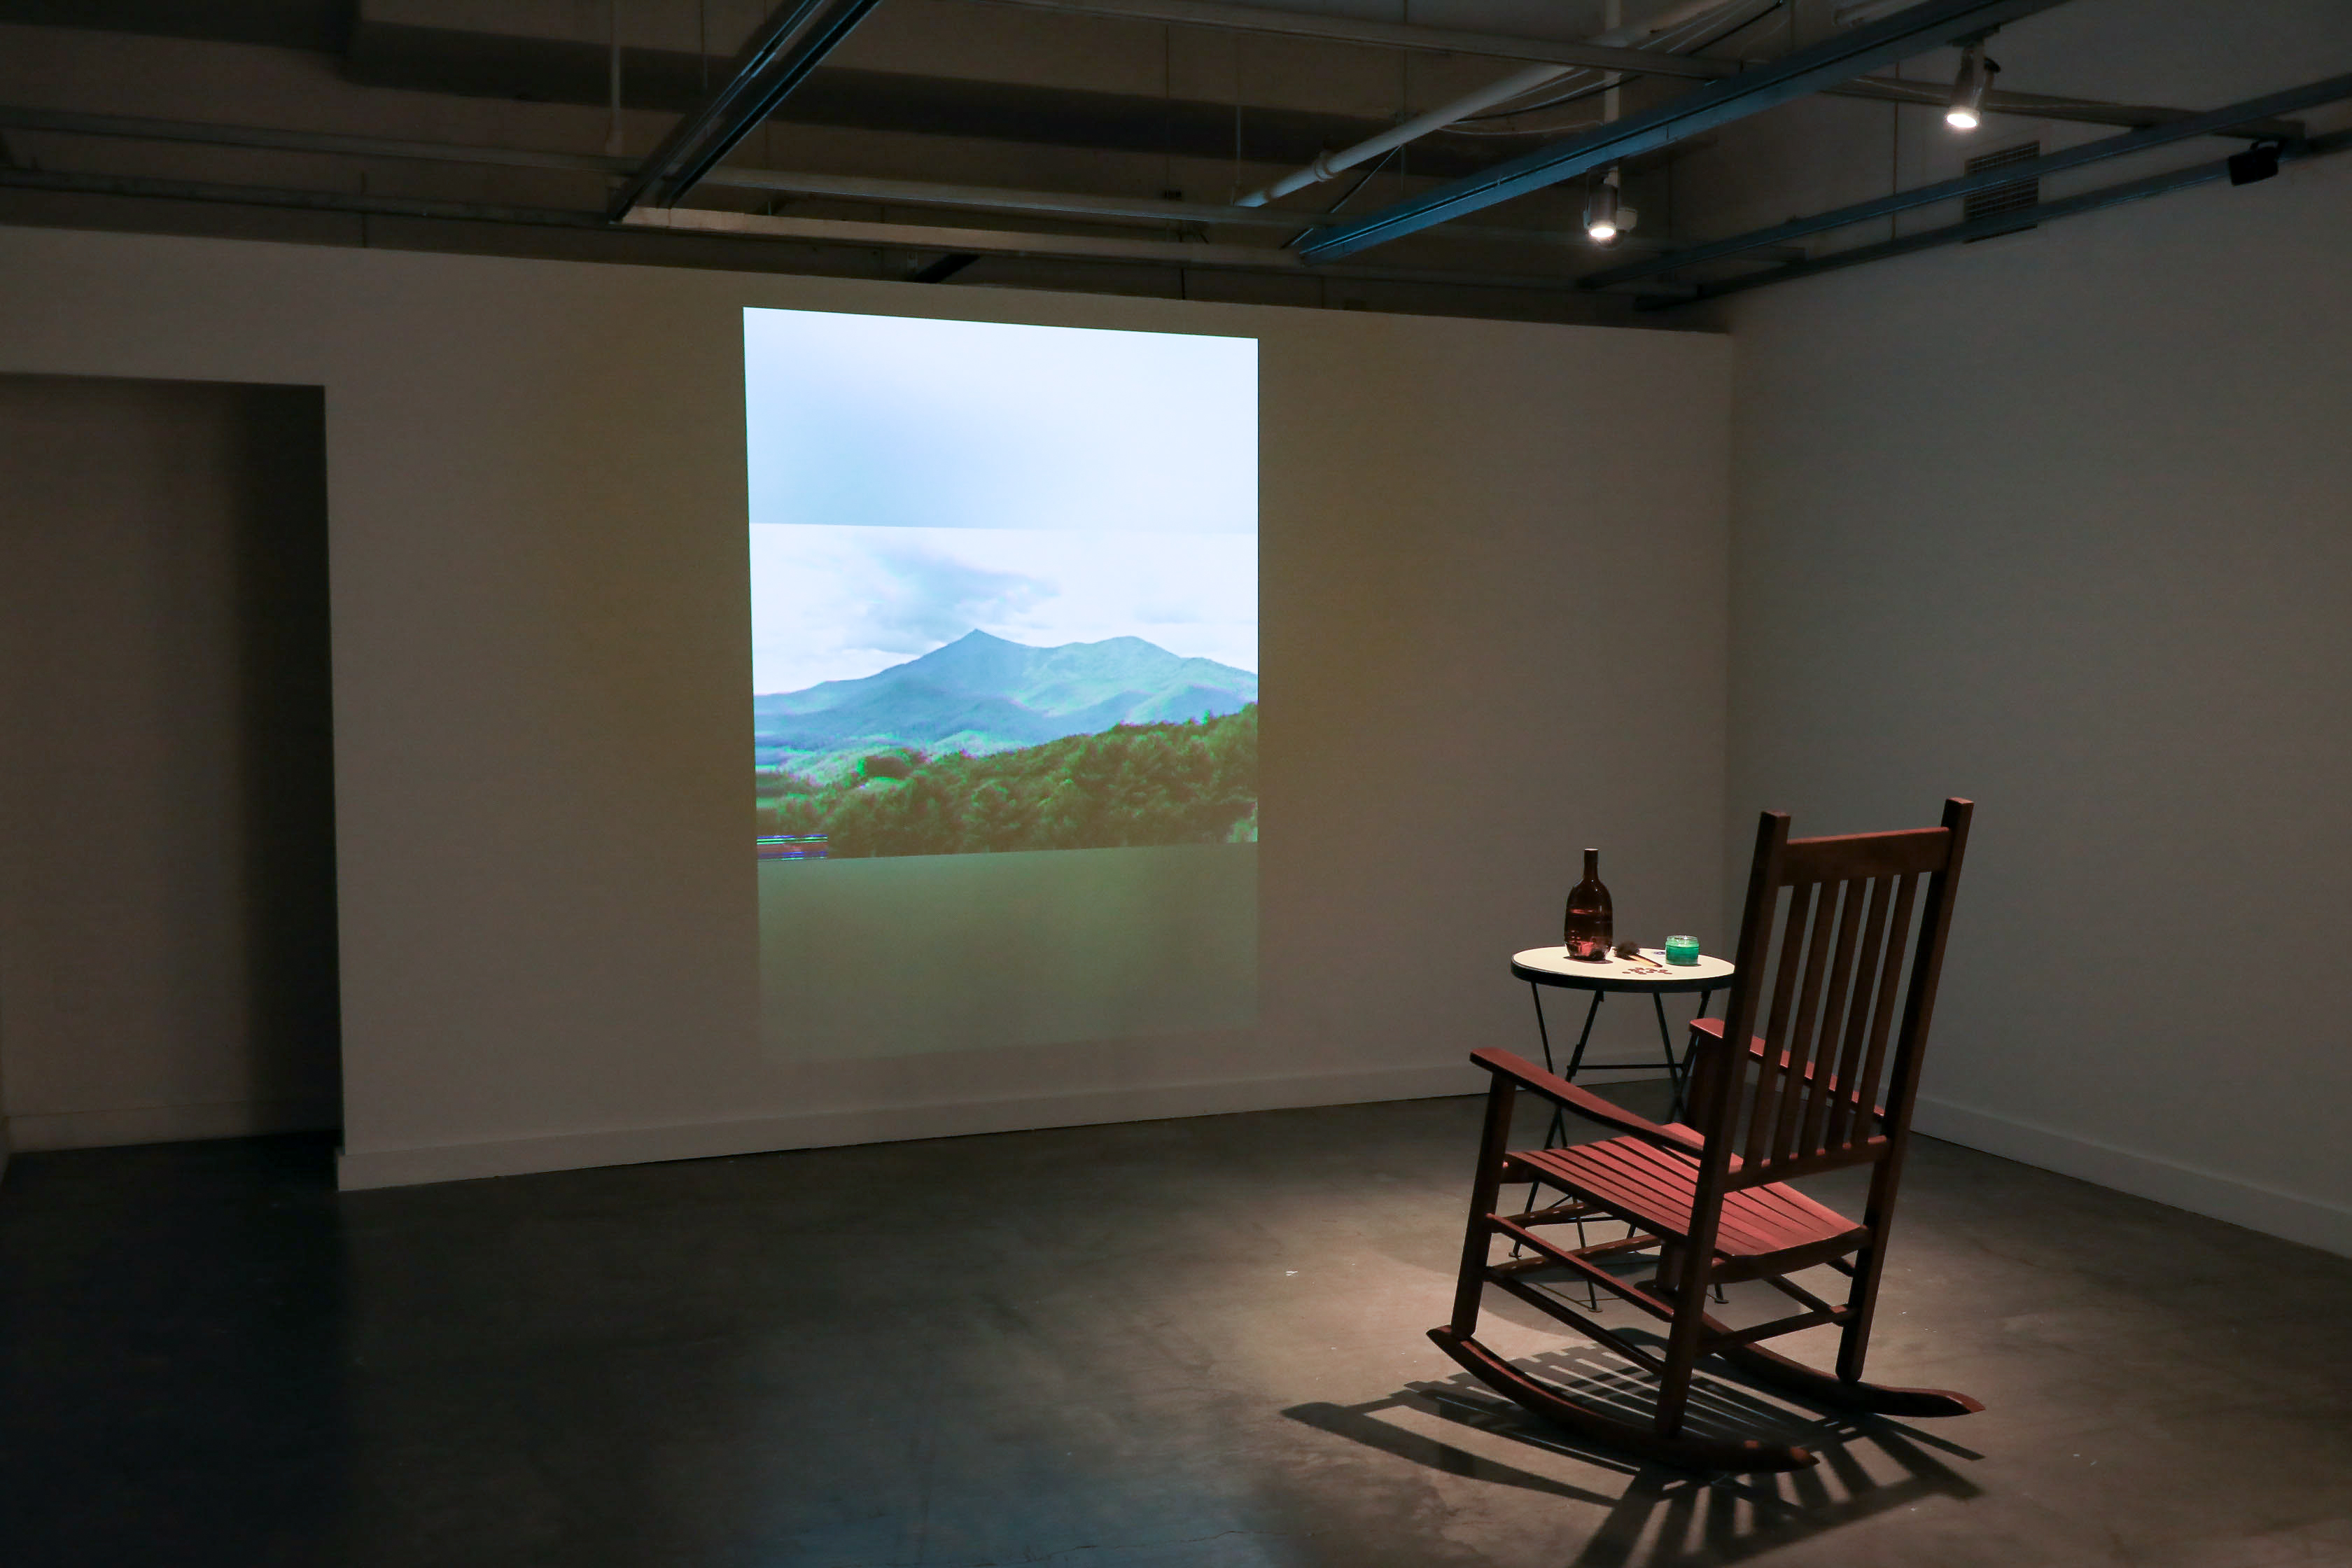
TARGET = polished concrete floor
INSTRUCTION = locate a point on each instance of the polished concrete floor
(1180, 1344)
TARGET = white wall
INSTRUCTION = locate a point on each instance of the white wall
(2060, 522)
(1493, 600)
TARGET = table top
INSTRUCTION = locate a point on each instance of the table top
(1552, 966)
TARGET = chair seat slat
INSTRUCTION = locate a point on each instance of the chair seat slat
(1654, 1187)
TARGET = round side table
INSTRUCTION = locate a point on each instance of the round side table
(1543, 966)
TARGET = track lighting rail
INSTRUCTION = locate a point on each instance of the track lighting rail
(2333, 89)
(1999, 223)
(1799, 75)
(2047, 106)
(1265, 22)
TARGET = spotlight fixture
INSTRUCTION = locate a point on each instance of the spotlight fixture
(1605, 217)
(2259, 162)
(1966, 111)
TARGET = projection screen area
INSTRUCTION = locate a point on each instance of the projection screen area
(1005, 681)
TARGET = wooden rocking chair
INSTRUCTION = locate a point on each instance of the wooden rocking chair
(1828, 1082)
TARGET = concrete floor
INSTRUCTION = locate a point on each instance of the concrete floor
(1180, 1344)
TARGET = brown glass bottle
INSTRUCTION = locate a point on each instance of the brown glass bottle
(1586, 931)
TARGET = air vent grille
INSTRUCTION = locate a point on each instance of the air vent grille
(2016, 196)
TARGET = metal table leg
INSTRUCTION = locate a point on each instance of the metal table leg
(1677, 1071)
(1558, 1130)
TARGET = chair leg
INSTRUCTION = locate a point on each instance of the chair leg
(1862, 1300)
(1484, 1188)
(1681, 1338)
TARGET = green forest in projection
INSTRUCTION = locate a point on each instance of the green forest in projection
(1120, 788)
(1128, 787)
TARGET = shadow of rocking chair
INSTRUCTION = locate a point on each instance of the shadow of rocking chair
(1827, 1083)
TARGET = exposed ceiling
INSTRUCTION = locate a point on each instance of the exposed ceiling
(1117, 145)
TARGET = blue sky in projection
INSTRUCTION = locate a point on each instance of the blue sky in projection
(912, 480)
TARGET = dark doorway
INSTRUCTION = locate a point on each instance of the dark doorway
(167, 881)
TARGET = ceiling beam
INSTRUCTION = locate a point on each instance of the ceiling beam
(689, 221)
(153, 188)
(1084, 206)
(2334, 90)
(1799, 74)
(982, 241)
(1095, 248)
(789, 46)
(203, 133)
(1386, 35)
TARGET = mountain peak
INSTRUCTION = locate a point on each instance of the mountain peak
(986, 692)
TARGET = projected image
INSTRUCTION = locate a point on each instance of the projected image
(1055, 715)
(1004, 683)
(929, 681)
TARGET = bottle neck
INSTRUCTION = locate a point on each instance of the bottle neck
(1593, 865)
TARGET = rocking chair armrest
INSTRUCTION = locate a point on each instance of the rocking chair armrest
(1584, 1102)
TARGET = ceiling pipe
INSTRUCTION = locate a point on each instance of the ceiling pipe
(1794, 76)
(613, 140)
(790, 44)
(1518, 84)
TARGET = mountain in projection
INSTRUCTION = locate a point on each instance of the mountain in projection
(981, 694)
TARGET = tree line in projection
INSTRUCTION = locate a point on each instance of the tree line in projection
(1190, 782)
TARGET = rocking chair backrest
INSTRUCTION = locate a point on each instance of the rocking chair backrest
(1823, 981)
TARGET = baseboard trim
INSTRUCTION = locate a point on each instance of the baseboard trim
(2291, 1216)
(40, 1132)
(394, 1167)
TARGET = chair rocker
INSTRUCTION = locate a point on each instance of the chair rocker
(1828, 1082)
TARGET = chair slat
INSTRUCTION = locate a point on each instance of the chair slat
(1837, 1002)
(1851, 1098)
(1655, 1188)
(1890, 976)
(1765, 1107)
(1798, 1048)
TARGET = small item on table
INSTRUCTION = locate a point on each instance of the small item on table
(1586, 928)
(1633, 954)
(1682, 950)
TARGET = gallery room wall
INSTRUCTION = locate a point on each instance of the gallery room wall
(2059, 522)
(1493, 602)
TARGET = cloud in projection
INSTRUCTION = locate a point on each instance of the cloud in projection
(838, 603)
(901, 422)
